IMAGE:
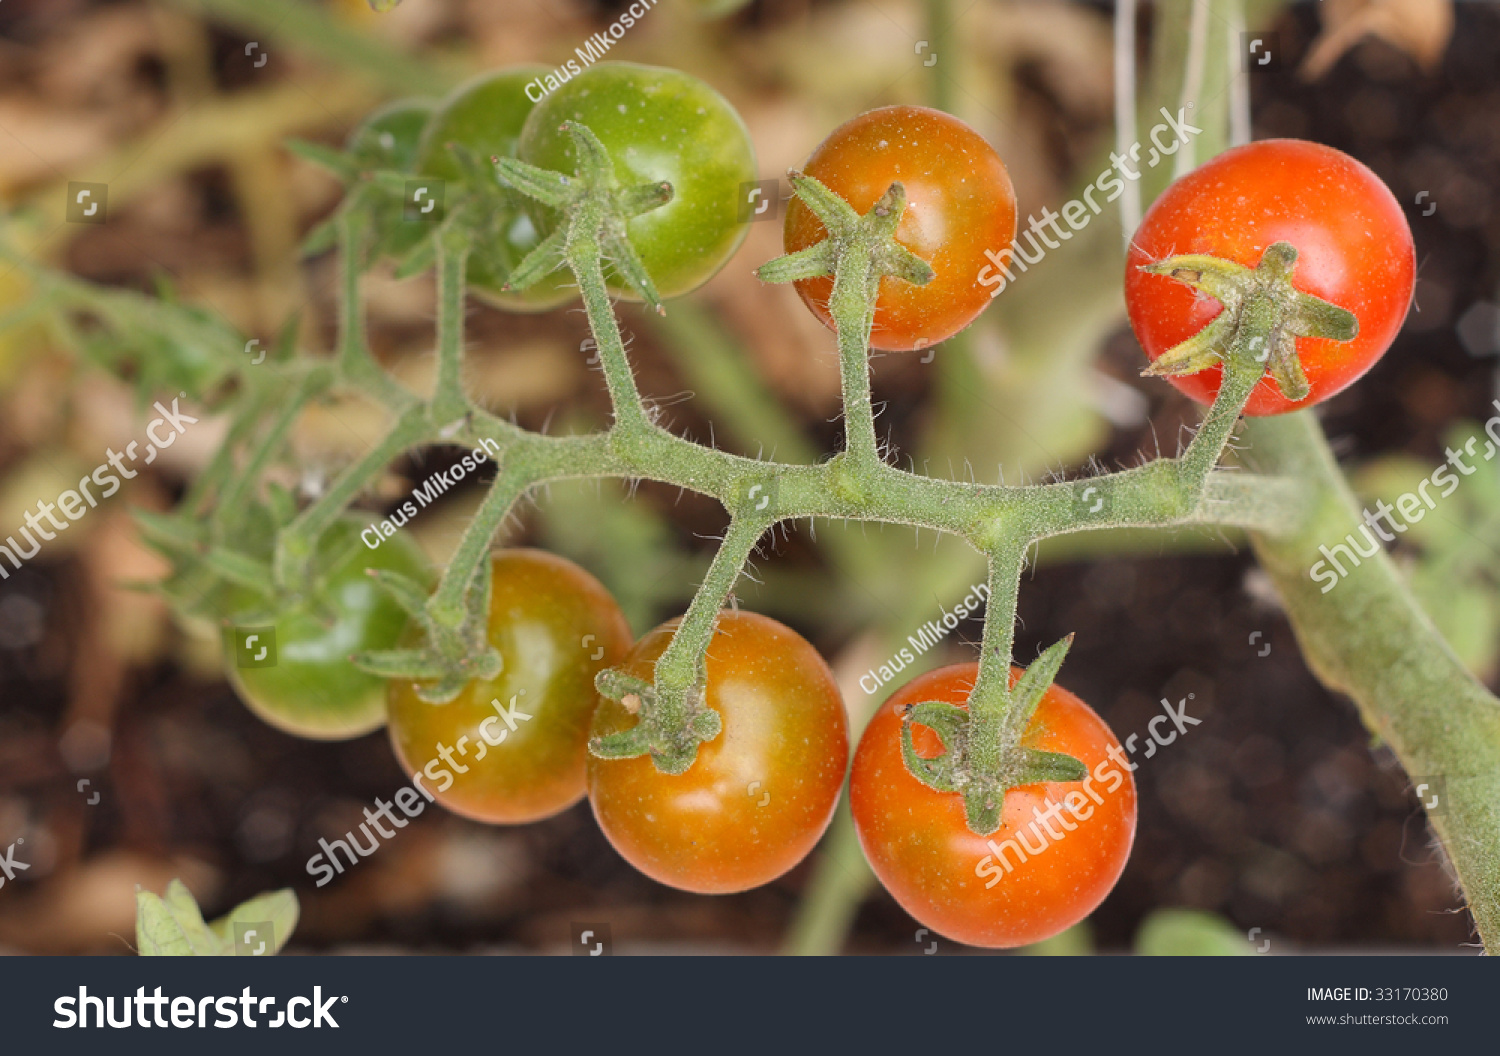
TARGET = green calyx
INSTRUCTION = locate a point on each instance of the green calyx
(673, 721)
(1263, 316)
(597, 208)
(982, 756)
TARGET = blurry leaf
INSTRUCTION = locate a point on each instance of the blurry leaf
(382, 6)
(172, 927)
(1077, 941)
(1420, 28)
(277, 908)
(1189, 933)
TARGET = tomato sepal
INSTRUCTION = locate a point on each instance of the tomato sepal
(1263, 315)
(596, 207)
(673, 749)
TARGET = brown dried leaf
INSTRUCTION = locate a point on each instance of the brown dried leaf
(1421, 28)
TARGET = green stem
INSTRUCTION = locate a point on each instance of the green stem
(1367, 637)
(585, 257)
(992, 732)
(446, 606)
(449, 404)
(311, 385)
(852, 306)
(295, 546)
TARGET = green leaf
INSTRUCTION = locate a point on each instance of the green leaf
(157, 932)
(1189, 933)
(279, 909)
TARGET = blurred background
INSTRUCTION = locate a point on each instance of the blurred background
(125, 758)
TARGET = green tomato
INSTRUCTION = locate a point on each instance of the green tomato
(657, 124)
(485, 114)
(301, 680)
(387, 139)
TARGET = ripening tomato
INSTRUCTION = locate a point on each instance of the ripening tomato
(1061, 845)
(760, 794)
(657, 124)
(511, 749)
(1353, 244)
(308, 687)
(959, 203)
(485, 114)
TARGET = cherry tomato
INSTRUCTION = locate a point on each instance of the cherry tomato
(959, 202)
(308, 687)
(485, 114)
(511, 749)
(387, 139)
(760, 794)
(657, 124)
(1353, 243)
(1061, 845)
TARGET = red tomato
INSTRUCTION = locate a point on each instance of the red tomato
(760, 794)
(510, 749)
(1353, 243)
(959, 202)
(1060, 847)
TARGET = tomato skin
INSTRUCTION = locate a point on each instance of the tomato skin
(959, 202)
(313, 691)
(759, 795)
(1354, 249)
(485, 114)
(657, 124)
(556, 627)
(920, 847)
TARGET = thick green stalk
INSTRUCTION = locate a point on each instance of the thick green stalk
(1367, 637)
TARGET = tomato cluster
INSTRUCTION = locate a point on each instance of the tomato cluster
(514, 748)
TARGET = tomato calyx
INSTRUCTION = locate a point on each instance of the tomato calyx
(859, 250)
(673, 721)
(597, 208)
(983, 755)
(1263, 316)
(450, 656)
